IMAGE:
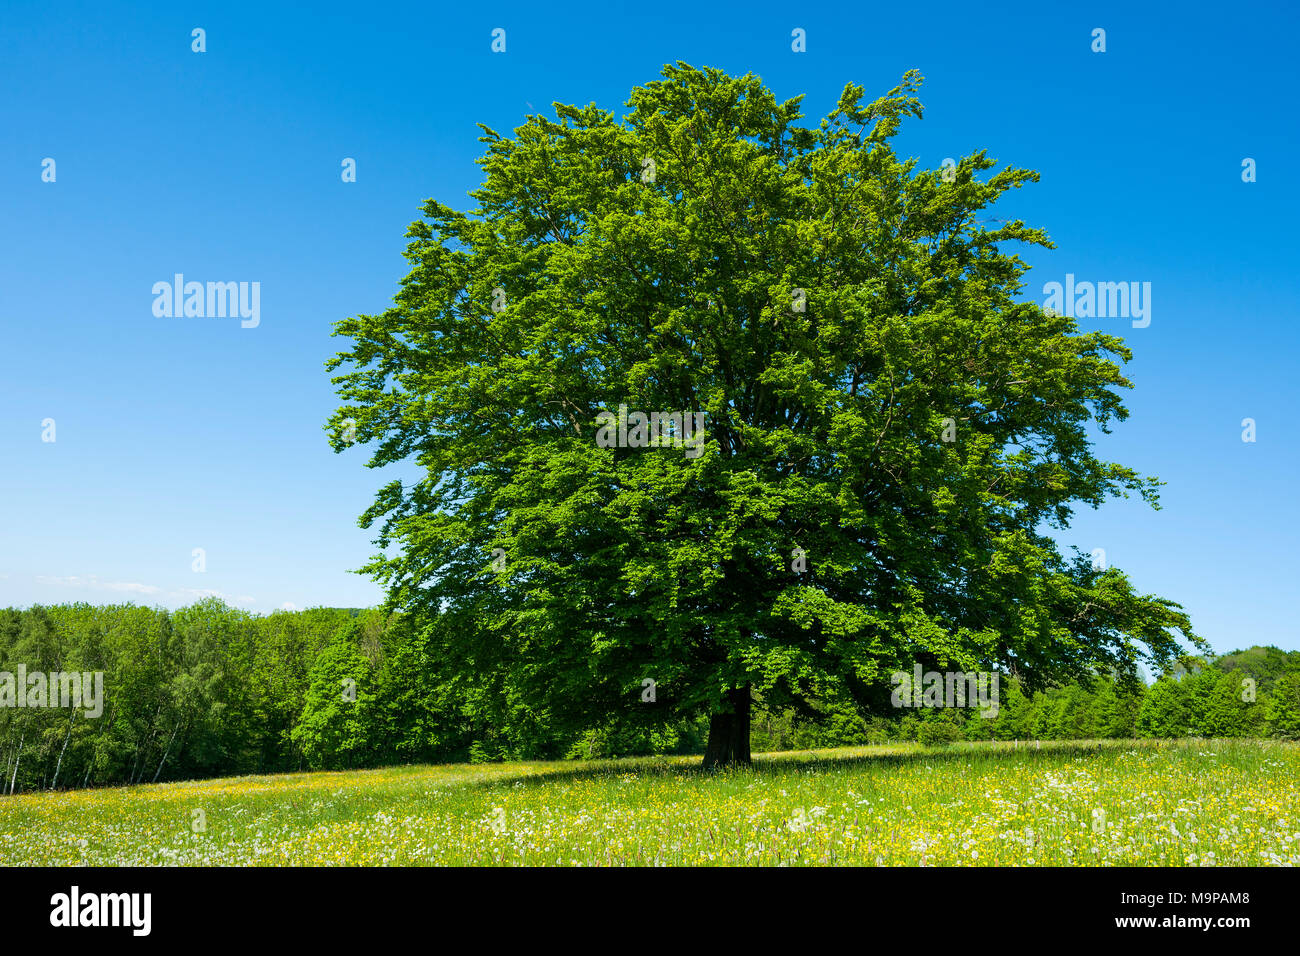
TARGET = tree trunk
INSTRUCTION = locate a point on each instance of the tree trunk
(165, 753)
(729, 733)
(62, 750)
(17, 759)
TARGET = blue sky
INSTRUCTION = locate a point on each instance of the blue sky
(181, 433)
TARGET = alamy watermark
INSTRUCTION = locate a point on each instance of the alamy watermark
(1101, 300)
(75, 908)
(653, 430)
(215, 300)
(949, 689)
(83, 689)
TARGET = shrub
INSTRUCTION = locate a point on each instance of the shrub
(938, 733)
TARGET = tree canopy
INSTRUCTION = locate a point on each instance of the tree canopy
(889, 436)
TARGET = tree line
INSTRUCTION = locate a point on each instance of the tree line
(212, 690)
(1250, 693)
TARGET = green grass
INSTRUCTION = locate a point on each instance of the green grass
(1223, 802)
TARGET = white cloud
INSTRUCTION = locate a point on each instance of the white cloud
(199, 593)
(92, 582)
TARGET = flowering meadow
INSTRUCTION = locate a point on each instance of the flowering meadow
(1188, 803)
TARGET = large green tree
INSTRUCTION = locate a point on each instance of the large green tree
(889, 437)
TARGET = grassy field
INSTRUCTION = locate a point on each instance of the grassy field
(1103, 803)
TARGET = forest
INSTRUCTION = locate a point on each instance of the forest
(211, 690)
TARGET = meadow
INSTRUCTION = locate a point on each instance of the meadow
(1098, 803)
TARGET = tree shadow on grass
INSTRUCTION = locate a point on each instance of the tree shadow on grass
(777, 764)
